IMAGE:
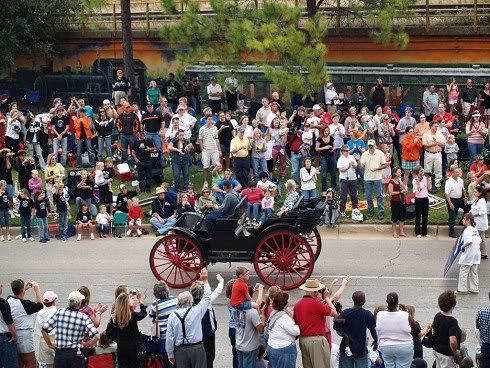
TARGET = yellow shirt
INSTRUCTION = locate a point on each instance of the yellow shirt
(240, 143)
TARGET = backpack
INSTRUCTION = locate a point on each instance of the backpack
(71, 231)
(270, 324)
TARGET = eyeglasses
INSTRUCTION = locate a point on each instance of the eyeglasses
(345, 150)
(422, 117)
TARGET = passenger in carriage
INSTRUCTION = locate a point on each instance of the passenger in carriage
(226, 209)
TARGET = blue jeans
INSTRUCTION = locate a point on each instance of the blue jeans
(43, 228)
(485, 355)
(453, 214)
(178, 169)
(25, 226)
(88, 146)
(210, 221)
(219, 196)
(62, 224)
(157, 141)
(368, 188)
(232, 336)
(126, 141)
(246, 359)
(91, 207)
(308, 194)
(283, 358)
(163, 228)
(474, 149)
(397, 356)
(265, 214)
(254, 209)
(296, 163)
(8, 353)
(101, 143)
(144, 169)
(328, 167)
(64, 148)
(35, 149)
(195, 103)
(102, 229)
(259, 165)
(351, 361)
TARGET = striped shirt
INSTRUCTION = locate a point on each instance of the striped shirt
(165, 308)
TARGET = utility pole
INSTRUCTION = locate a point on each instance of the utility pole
(127, 40)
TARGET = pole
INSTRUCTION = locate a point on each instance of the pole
(147, 19)
(427, 18)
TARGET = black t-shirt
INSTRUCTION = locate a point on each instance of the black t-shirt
(165, 208)
(5, 313)
(25, 206)
(444, 327)
(84, 217)
(486, 100)
(4, 201)
(139, 147)
(24, 171)
(122, 200)
(326, 153)
(5, 174)
(41, 208)
(121, 84)
(417, 342)
(152, 121)
(60, 202)
(60, 123)
(226, 135)
(86, 191)
(469, 94)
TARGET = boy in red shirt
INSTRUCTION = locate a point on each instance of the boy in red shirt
(240, 297)
(135, 216)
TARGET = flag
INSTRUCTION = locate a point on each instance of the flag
(454, 254)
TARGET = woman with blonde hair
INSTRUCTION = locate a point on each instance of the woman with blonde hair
(271, 294)
(259, 147)
(54, 173)
(153, 94)
(123, 329)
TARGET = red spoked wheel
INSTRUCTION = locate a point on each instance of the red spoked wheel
(315, 242)
(283, 258)
(177, 260)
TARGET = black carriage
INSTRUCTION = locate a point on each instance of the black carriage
(283, 249)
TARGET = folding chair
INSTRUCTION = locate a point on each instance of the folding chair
(119, 221)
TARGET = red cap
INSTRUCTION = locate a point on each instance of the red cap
(385, 109)
(119, 71)
(275, 104)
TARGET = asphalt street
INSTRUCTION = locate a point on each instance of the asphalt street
(377, 263)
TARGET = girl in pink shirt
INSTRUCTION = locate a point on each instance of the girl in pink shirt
(421, 185)
(254, 196)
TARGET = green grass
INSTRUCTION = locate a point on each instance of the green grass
(436, 216)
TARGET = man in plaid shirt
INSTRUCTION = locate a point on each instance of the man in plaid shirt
(483, 325)
(71, 325)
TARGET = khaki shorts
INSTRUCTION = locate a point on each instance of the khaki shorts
(25, 341)
(209, 158)
(46, 355)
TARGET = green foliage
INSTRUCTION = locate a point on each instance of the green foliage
(289, 48)
(389, 17)
(28, 27)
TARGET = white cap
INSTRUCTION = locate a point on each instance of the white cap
(76, 296)
(316, 107)
(106, 102)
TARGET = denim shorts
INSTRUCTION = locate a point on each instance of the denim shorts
(247, 304)
(4, 217)
(10, 190)
(25, 341)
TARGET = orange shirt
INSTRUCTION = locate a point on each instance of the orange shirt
(410, 148)
(420, 129)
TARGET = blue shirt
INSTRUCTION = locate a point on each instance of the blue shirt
(89, 111)
(358, 145)
(232, 180)
(202, 122)
(357, 320)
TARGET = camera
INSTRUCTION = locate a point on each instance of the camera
(132, 292)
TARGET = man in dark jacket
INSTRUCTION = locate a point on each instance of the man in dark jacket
(142, 148)
(154, 126)
(104, 126)
(127, 125)
(226, 210)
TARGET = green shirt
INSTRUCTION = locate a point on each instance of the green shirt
(153, 95)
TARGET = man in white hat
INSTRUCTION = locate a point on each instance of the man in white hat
(309, 315)
(163, 212)
(71, 326)
(330, 94)
(373, 161)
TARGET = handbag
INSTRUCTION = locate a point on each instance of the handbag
(102, 361)
(155, 328)
(428, 340)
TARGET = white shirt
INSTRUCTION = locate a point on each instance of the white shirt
(99, 177)
(471, 255)
(271, 116)
(393, 328)
(337, 135)
(42, 317)
(268, 153)
(308, 180)
(187, 121)
(344, 162)
(373, 161)
(479, 210)
(334, 356)
(454, 187)
(13, 129)
(283, 333)
(214, 89)
(102, 218)
(208, 136)
(329, 95)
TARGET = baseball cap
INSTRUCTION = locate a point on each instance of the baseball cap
(180, 108)
(106, 102)
(119, 71)
(76, 296)
(275, 104)
(122, 186)
(476, 113)
(49, 296)
(329, 84)
(371, 142)
(316, 107)
(212, 79)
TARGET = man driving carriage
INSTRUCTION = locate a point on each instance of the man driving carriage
(226, 209)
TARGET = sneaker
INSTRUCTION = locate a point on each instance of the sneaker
(79, 237)
(24, 240)
(2, 238)
(43, 241)
(419, 236)
(31, 239)
(9, 238)
(371, 214)
(452, 235)
(64, 239)
(381, 216)
(12, 214)
(457, 292)
(427, 236)
(342, 214)
(254, 222)
(474, 292)
(348, 352)
(247, 221)
(92, 237)
(128, 233)
(138, 232)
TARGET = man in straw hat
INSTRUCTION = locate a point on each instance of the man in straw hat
(163, 212)
(309, 315)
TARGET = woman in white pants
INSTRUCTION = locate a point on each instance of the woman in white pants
(470, 257)
(479, 210)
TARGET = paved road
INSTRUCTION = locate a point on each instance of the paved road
(412, 267)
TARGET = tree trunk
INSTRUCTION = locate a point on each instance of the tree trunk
(127, 41)
(311, 8)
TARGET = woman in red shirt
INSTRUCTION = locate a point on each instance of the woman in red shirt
(479, 167)
(397, 190)
(135, 217)
(254, 196)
